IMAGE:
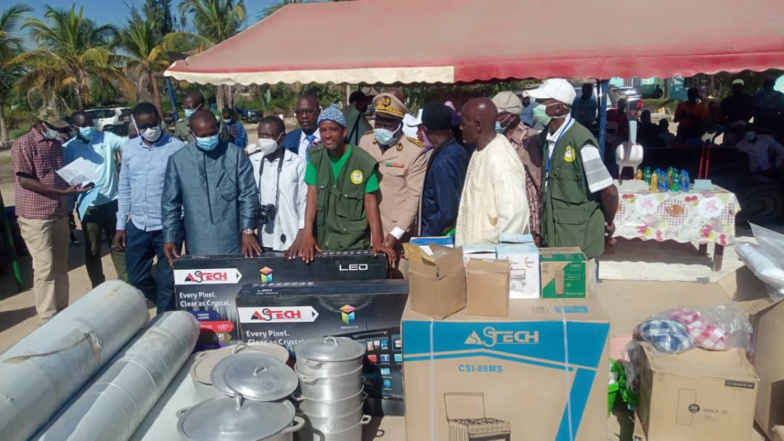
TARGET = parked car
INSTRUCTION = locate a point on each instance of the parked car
(615, 93)
(115, 119)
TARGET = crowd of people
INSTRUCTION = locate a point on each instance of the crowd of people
(337, 182)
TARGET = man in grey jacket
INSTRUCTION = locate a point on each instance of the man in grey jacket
(210, 188)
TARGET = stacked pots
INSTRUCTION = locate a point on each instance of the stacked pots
(330, 380)
(254, 406)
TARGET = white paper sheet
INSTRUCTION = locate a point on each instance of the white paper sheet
(78, 172)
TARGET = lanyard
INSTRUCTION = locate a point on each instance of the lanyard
(549, 154)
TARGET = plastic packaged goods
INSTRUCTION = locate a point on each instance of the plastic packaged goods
(45, 369)
(766, 260)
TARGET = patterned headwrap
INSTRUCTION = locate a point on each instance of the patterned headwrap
(332, 113)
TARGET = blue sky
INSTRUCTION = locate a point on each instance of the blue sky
(114, 11)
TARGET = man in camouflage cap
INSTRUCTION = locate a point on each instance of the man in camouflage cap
(401, 168)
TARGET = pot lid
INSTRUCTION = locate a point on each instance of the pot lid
(259, 377)
(206, 361)
(230, 419)
(330, 349)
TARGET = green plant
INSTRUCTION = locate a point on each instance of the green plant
(16, 133)
(19, 119)
(10, 47)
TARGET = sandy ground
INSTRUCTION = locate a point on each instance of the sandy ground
(627, 302)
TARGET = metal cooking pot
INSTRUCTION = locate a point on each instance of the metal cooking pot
(338, 387)
(333, 424)
(353, 433)
(328, 356)
(255, 376)
(205, 362)
(328, 408)
(237, 419)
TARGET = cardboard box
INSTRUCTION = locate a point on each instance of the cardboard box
(778, 433)
(207, 286)
(539, 374)
(767, 319)
(367, 311)
(438, 287)
(564, 273)
(697, 395)
(488, 287)
(482, 252)
(524, 262)
(515, 238)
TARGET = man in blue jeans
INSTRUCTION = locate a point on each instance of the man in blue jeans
(139, 227)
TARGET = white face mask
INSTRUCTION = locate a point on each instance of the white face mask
(49, 133)
(264, 146)
(150, 134)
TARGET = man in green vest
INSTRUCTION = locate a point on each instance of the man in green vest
(579, 199)
(341, 212)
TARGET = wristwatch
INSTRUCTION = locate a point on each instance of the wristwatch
(248, 232)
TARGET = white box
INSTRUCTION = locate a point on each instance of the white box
(524, 280)
(478, 252)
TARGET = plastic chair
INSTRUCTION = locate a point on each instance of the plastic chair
(629, 154)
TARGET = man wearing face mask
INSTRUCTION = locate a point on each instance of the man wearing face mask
(525, 141)
(238, 135)
(280, 178)
(401, 169)
(97, 208)
(210, 183)
(446, 169)
(139, 227)
(579, 199)
(300, 141)
(192, 102)
(42, 209)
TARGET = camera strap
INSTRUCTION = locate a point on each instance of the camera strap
(277, 190)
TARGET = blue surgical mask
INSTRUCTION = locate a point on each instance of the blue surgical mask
(189, 112)
(87, 132)
(498, 127)
(384, 136)
(540, 114)
(208, 143)
(751, 136)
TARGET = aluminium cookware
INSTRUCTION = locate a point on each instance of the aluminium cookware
(327, 408)
(336, 387)
(255, 376)
(323, 357)
(336, 425)
(237, 419)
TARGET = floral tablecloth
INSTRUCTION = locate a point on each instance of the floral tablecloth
(686, 217)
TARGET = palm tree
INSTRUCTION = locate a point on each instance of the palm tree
(214, 22)
(275, 7)
(73, 51)
(144, 56)
(10, 47)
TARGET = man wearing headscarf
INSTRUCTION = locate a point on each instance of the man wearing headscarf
(525, 141)
(341, 212)
(401, 169)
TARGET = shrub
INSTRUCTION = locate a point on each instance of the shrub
(19, 119)
(655, 104)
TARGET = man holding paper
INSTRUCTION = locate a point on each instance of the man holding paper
(97, 208)
(42, 207)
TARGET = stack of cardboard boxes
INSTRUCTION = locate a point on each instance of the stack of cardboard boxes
(486, 359)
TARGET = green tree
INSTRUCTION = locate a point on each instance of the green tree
(73, 51)
(158, 14)
(144, 55)
(10, 47)
(214, 21)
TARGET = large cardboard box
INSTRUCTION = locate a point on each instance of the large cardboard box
(438, 282)
(488, 288)
(523, 260)
(767, 319)
(564, 273)
(207, 286)
(539, 374)
(697, 395)
(366, 311)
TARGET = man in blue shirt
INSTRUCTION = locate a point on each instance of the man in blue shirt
(139, 226)
(97, 208)
(447, 163)
(239, 136)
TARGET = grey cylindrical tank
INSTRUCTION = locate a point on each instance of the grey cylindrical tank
(114, 405)
(45, 369)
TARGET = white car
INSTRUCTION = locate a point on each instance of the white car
(114, 119)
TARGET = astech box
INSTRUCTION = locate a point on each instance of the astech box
(207, 285)
(366, 311)
(538, 374)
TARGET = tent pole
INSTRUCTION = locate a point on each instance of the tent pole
(170, 88)
(602, 86)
